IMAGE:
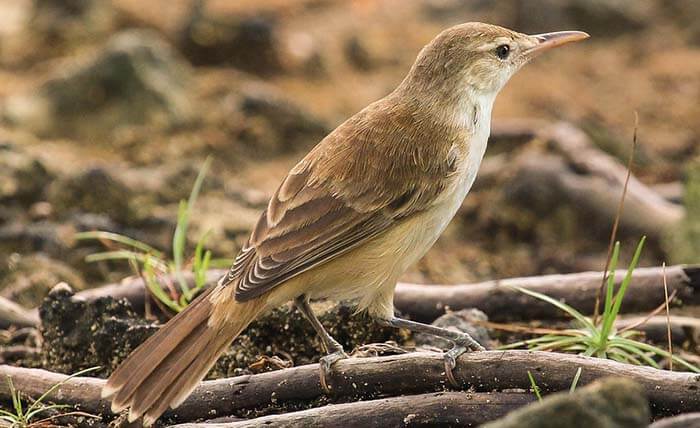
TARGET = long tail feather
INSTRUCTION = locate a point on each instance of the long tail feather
(164, 370)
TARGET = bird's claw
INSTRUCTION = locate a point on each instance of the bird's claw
(325, 366)
(461, 345)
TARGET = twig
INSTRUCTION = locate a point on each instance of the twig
(668, 319)
(433, 409)
(616, 223)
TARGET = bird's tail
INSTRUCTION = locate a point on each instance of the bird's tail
(164, 370)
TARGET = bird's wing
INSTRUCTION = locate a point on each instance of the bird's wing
(337, 198)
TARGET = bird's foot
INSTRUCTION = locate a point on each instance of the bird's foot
(325, 366)
(464, 343)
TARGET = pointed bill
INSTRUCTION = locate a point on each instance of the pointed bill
(548, 41)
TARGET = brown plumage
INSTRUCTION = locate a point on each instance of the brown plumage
(351, 216)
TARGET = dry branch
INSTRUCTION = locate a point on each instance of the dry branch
(656, 327)
(501, 303)
(434, 409)
(13, 314)
(603, 178)
(414, 373)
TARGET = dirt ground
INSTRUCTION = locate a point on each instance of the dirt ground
(108, 109)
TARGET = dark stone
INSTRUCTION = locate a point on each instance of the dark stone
(136, 79)
(23, 177)
(94, 191)
(462, 321)
(609, 403)
(248, 43)
(275, 125)
(78, 335)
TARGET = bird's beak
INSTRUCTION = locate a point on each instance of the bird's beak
(548, 41)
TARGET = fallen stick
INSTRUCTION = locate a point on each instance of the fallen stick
(574, 171)
(13, 314)
(598, 180)
(412, 373)
(502, 303)
(438, 408)
(656, 329)
(496, 298)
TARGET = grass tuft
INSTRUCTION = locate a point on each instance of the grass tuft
(152, 264)
(601, 339)
(28, 417)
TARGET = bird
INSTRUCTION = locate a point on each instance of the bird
(350, 217)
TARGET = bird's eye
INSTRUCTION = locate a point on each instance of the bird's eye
(502, 51)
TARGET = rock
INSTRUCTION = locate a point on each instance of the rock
(135, 79)
(23, 177)
(26, 279)
(462, 321)
(275, 125)
(609, 403)
(248, 43)
(78, 334)
(93, 191)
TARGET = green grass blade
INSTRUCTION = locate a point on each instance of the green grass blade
(635, 350)
(155, 288)
(610, 288)
(563, 306)
(203, 271)
(179, 239)
(535, 388)
(200, 264)
(44, 408)
(558, 344)
(660, 352)
(16, 399)
(574, 382)
(118, 238)
(39, 400)
(609, 320)
(126, 255)
(623, 357)
(183, 218)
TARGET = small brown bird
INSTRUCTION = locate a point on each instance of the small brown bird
(367, 202)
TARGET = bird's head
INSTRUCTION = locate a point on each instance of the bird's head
(479, 57)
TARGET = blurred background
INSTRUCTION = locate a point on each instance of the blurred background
(109, 108)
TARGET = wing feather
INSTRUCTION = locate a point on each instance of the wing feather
(340, 197)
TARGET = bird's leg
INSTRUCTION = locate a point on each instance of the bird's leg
(462, 341)
(334, 350)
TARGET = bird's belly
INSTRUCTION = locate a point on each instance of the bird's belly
(368, 274)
